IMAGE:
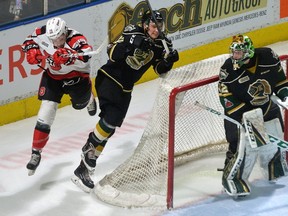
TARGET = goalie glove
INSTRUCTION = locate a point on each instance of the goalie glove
(64, 56)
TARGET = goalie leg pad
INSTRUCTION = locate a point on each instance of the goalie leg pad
(250, 160)
(254, 125)
(277, 166)
(232, 180)
(272, 159)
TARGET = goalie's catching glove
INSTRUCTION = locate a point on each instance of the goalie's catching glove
(172, 57)
(64, 56)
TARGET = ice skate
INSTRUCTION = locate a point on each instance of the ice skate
(88, 157)
(82, 179)
(34, 162)
(92, 106)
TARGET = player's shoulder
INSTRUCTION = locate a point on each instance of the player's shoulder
(133, 29)
(72, 32)
(266, 55)
(39, 31)
(227, 65)
(227, 73)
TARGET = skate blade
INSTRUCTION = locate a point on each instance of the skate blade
(236, 195)
(31, 172)
(79, 183)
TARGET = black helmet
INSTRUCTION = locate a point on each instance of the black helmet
(147, 17)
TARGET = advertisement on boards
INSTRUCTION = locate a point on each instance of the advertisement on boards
(189, 23)
(283, 9)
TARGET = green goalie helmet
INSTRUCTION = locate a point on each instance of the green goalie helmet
(241, 43)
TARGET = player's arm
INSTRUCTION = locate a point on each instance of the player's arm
(117, 50)
(32, 50)
(165, 64)
(68, 56)
(231, 104)
(281, 88)
(134, 38)
(79, 44)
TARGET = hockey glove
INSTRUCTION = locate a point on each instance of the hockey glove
(64, 56)
(34, 56)
(172, 57)
(142, 43)
(33, 53)
(52, 64)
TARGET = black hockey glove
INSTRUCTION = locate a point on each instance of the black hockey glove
(142, 43)
(172, 57)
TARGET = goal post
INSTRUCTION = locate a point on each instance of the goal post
(284, 61)
(171, 141)
(177, 132)
(142, 179)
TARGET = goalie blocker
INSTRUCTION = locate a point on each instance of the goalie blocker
(254, 142)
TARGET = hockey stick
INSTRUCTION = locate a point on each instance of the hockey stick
(95, 52)
(75, 55)
(278, 101)
(281, 143)
(158, 28)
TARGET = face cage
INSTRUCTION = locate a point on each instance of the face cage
(237, 63)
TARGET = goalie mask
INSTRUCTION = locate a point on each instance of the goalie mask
(55, 28)
(241, 50)
(147, 18)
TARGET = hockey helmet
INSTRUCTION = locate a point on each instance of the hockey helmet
(147, 18)
(55, 27)
(241, 43)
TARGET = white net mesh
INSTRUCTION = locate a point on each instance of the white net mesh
(142, 179)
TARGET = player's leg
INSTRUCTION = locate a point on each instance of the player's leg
(46, 115)
(231, 133)
(80, 91)
(113, 104)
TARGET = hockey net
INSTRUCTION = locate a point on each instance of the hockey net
(177, 132)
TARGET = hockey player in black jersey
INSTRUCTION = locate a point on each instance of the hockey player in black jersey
(130, 56)
(247, 80)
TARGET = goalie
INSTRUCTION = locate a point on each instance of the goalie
(247, 80)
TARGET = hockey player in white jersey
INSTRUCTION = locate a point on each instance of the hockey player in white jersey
(54, 47)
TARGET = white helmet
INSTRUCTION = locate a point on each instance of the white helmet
(55, 27)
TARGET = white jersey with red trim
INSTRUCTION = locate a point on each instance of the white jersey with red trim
(75, 41)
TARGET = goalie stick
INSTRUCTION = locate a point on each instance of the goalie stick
(278, 101)
(273, 139)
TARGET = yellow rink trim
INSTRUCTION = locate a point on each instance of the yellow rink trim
(29, 107)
